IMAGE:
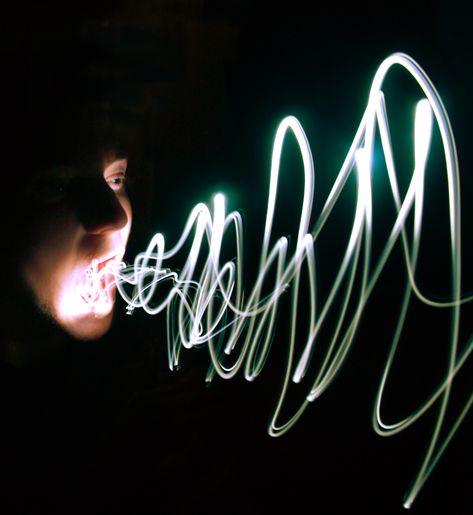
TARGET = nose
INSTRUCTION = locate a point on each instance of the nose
(98, 208)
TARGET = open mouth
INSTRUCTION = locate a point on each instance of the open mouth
(96, 287)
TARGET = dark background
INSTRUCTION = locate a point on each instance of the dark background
(209, 81)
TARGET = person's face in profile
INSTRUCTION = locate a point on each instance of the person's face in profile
(80, 223)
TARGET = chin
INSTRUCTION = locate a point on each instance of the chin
(87, 327)
(85, 315)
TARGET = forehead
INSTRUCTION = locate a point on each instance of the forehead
(77, 142)
(62, 166)
(74, 123)
(97, 165)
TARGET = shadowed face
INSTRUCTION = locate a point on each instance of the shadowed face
(80, 225)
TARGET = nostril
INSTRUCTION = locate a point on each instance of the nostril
(96, 205)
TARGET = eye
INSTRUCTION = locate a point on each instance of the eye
(117, 181)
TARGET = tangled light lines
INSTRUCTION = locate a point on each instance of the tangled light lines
(206, 304)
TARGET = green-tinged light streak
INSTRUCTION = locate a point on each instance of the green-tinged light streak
(206, 305)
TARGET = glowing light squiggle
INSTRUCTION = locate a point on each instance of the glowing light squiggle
(206, 303)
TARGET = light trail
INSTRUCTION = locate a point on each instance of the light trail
(206, 304)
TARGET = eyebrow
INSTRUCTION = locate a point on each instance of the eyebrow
(120, 163)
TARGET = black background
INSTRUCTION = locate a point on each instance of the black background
(212, 80)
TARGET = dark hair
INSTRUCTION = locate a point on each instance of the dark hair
(66, 101)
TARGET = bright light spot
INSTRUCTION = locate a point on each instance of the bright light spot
(90, 291)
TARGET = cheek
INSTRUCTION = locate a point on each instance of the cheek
(52, 243)
(126, 206)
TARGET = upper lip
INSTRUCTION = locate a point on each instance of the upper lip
(103, 263)
(116, 254)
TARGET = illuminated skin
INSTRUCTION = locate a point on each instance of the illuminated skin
(85, 219)
(206, 302)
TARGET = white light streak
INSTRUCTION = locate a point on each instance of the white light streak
(206, 303)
